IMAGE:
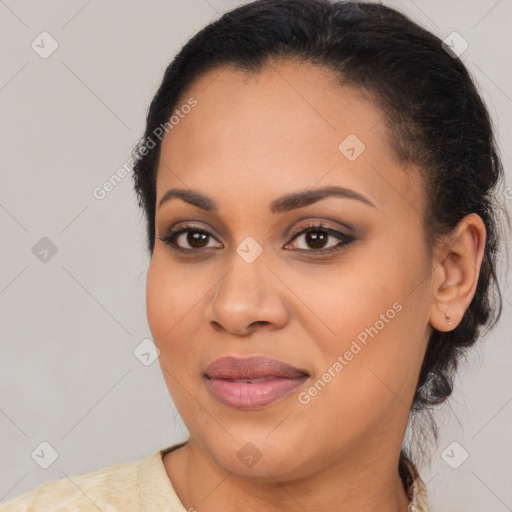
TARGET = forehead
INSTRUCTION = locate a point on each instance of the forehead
(289, 126)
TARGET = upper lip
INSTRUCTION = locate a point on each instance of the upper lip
(251, 368)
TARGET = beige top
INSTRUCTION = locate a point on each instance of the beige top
(137, 486)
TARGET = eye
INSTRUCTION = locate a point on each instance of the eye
(316, 237)
(195, 237)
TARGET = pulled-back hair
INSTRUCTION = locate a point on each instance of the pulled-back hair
(435, 119)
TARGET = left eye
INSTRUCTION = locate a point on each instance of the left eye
(315, 239)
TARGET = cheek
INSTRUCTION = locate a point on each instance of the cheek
(170, 300)
(348, 298)
(371, 311)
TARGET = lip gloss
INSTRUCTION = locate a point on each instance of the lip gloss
(252, 393)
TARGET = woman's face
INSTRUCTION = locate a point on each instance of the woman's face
(347, 304)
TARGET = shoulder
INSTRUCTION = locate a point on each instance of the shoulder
(109, 489)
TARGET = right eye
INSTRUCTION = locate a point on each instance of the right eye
(195, 237)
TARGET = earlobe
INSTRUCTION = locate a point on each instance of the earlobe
(445, 320)
(458, 260)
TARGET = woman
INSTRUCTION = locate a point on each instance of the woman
(317, 180)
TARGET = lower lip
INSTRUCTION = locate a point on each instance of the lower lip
(252, 395)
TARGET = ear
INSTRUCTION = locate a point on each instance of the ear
(457, 262)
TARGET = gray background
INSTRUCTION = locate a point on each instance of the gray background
(70, 325)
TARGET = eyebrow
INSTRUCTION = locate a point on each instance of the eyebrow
(283, 204)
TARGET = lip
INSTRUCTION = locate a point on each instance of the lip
(249, 383)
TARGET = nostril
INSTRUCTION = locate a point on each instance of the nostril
(263, 322)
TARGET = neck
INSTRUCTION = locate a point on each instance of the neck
(203, 485)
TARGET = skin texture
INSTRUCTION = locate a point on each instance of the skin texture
(250, 140)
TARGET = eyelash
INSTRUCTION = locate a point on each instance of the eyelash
(346, 240)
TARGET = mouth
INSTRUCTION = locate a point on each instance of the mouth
(253, 382)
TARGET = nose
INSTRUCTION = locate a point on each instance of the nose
(248, 297)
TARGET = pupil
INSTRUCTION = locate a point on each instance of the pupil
(316, 238)
(195, 237)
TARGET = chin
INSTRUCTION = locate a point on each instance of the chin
(258, 459)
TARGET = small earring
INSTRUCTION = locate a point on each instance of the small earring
(448, 319)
